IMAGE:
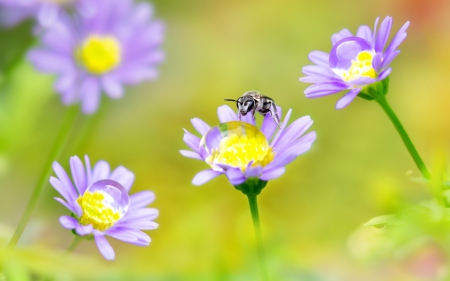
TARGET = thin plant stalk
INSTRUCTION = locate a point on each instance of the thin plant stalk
(76, 240)
(255, 217)
(406, 140)
(55, 153)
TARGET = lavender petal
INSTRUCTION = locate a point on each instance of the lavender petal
(78, 174)
(319, 58)
(226, 114)
(191, 154)
(83, 230)
(141, 199)
(235, 176)
(340, 35)
(383, 34)
(205, 176)
(104, 247)
(347, 98)
(101, 171)
(123, 176)
(200, 125)
(324, 89)
(68, 222)
(272, 174)
(90, 95)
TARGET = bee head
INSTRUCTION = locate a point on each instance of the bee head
(245, 104)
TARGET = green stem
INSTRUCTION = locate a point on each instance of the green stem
(406, 140)
(56, 151)
(255, 217)
(76, 240)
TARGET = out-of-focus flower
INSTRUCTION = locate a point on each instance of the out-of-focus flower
(100, 204)
(45, 11)
(354, 62)
(116, 43)
(243, 152)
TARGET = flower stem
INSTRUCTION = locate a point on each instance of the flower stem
(56, 151)
(406, 140)
(255, 217)
(76, 240)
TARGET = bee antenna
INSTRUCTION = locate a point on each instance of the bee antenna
(229, 100)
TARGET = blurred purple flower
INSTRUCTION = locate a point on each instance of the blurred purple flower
(116, 43)
(354, 62)
(100, 204)
(241, 151)
(46, 12)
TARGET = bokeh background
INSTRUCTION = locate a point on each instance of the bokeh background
(311, 217)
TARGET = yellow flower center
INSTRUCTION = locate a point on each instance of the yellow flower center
(98, 210)
(240, 144)
(361, 66)
(99, 54)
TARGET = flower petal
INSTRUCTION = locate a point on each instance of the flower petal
(200, 126)
(78, 174)
(141, 199)
(88, 172)
(192, 141)
(104, 247)
(139, 214)
(205, 176)
(269, 126)
(384, 74)
(68, 222)
(340, 35)
(398, 39)
(73, 207)
(90, 95)
(383, 34)
(100, 172)
(49, 62)
(68, 194)
(319, 58)
(324, 89)
(272, 174)
(112, 87)
(283, 126)
(235, 176)
(365, 32)
(293, 132)
(129, 235)
(347, 98)
(191, 154)
(47, 14)
(64, 178)
(387, 60)
(253, 172)
(226, 114)
(83, 230)
(123, 176)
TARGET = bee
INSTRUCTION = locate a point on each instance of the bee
(253, 101)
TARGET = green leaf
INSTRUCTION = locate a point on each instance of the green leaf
(382, 221)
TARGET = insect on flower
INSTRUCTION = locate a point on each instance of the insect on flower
(253, 101)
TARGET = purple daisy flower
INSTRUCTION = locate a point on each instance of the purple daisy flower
(354, 62)
(241, 151)
(100, 204)
(116, 43)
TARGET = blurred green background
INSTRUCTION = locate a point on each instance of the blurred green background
(311, 217)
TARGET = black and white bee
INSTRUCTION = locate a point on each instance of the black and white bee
(253, 101)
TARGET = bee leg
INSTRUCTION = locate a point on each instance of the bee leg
(274, 113)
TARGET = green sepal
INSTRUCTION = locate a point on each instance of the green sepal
(376, 90)
(252, 186)
(88, 237)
